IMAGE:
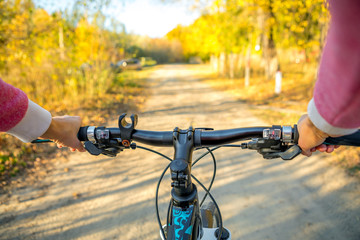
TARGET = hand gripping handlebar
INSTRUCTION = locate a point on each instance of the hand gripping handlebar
(271, 142)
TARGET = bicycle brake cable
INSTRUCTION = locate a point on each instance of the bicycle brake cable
(215, 203)
(205, 189)
(158, 187)
(214, 174)
(210, 151)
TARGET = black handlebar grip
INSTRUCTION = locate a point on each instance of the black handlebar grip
(347, 140)
(82, 134)
(296, 134)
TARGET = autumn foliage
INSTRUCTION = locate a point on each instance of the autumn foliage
(231, 33)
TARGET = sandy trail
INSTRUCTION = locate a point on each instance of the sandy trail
(113, 198)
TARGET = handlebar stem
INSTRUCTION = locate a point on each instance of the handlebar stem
(183, 141)
(184, 192)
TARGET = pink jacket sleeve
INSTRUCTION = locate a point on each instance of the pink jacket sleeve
(19, 116)
(335, 107)
(13, 106)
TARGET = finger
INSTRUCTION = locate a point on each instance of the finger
(80, 147)
(306, 153)
(330, 149)
(321, 148)
(82, 150)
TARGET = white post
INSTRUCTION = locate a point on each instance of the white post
(232, 65)
(278, 79)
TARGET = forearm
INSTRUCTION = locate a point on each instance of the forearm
(34, 124)
(13, 106)
(27, 121)
(336, 102)
(334, 109)
(323, 125)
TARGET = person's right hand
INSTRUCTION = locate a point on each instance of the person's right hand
(311, 138)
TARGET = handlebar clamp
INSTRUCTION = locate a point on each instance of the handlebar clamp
(126, 129)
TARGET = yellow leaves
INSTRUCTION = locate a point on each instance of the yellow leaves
(271, 21)
(297, 29)
(287, 18)
(18, 26)
(54, 77)
(300, 42)
(87, 40)
(304, 23)
(38, 58)
(42, 20)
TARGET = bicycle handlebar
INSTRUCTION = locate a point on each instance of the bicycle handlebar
(271, 142)
(202, 137)
(215, 137)
(348, 140)
(155, 138)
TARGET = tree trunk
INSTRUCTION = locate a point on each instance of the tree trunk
(239, 64)
(270, 48)
(214, 61)
(247, 66)
(61, 41)
(61, 38)
(232, 58)
(222, 64)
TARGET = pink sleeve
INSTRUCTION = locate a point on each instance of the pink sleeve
(335, 107)
(13, 106)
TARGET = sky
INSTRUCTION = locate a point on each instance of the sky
(143, 17)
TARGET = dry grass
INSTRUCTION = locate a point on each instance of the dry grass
(297, 87)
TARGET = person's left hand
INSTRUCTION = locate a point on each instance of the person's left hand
(63, 131)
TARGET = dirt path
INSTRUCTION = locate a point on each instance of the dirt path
(113, 198)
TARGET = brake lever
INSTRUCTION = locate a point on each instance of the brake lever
(111, 152)
(92, 149)
(271, 148)
(289, 154)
